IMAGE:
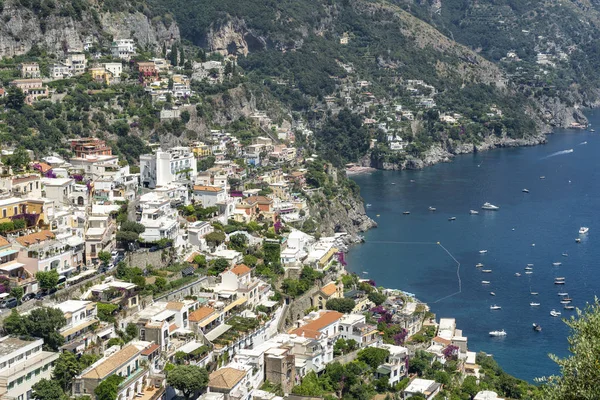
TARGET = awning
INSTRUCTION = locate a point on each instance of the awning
(236, 303)
(78, 328)
(218, 331)
(190, 346)
(66, 271)
(268, 303)
(8, 252)
(208, 320)
(82, 275)
(11, 267)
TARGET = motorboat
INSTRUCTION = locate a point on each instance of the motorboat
(406, 212)
(529, 272)
(565, 254)
(498, 333)
(365, 273)
(492, 294)
(556, 264)
(577, 240)
(563, 294)
(528, 268)
(478, 265)
(592, 130)
(559, 281)
(473, 212)
(534, 293)
(432, 208)
(555, 313)
(452, 219)
(530, 265)
(487, 271)
(569, 307)
(532, 304)
(583, 230)
(542, 177)
(482, 251)
(495, 307)
(537, 327)
(525, 190)
(489, 206)
(485, 282)
(368, 204)
(565, 301)
(517, 274)
(559, 278)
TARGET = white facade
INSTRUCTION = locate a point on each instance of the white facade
(76, 63)
(123, 49)
(114, 68)
(165, 167)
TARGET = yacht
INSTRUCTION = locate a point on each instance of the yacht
(592, 130)
(565, 301)
(490, 206)
(525, 190)
(563, 294)
(529, 272)
(485, 282)
(495, 307)
(569, 307)
(368, 204)
(559, 282)
(473, 212)
(487, 271)
(432, 209)
(528, 268)
(365, 273)
(492, 293)
(478, 265)
(452, 219)
(517, 274)
(534, 293)
(542, 177)
(532, 304)
(559, 278)
(565, 254)
(406, 212)
(530, 265)
(577, 240)
(556, 264)
(583, 230)
(537, 327)
(555, 313)
(498, 333)
(482, 251)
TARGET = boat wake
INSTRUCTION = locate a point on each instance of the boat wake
(582, 143)
(558, 153)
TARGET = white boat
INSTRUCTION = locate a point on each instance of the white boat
(569, 307)
(563, 294)
(406, 212)
(495, 307)
(365, 273)
(532, 304)
(556, 264)
(528, 268)
(525, 190)
(478, 265)
(560, 278)
(432, 208)
(565, 301)
(565, 254)
(578, 240)
(542, 177)
(583, 230)
(536, 327)
(452, 219)
(482, 251)
(530, 265)
(498, 333)
(473, 212)
(555, 313)
(485, 282)
(559, 282)
(489, 206)
(368, 204)
(492, 293)
(529, 272)
(534, 293)
(487, 271)
(517, 274)
(393, 183)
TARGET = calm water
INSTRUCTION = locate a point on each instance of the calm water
(549, 217)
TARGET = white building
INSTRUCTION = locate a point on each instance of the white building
(160, 221)
(123, 49)
(22, 365)
(114, 68)
(165, 167)
(209, 196)
(426, 387)
(76, 63)
(298, 245)
(239, 281)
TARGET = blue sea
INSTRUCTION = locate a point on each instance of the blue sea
(530, 228)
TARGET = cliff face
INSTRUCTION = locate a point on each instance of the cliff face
(57, 33)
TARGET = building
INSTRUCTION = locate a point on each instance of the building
(30, 70)
(487, 395)
(209, 196)
(60, 71)
(76, 62)
(115, 69)
(165, 167)
(33, 211)
(23, 363)
(33, 89)
(90, 146)
(330, 291)
(14, 270)
(425, 387)
(99, 236)
(395, 367)
(239, 281)
(354, 327)
(324, 324)
(123, 49)
(81, 317)
(231, 382)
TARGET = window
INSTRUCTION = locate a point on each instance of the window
(4, 213)
(15, 210)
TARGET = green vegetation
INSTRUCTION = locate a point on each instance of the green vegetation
(296, 287)
(43, 323)
(341, 305)
(189, 379)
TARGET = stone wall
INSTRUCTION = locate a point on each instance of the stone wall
(190, 289)
(143, 259)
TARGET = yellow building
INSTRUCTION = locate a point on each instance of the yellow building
(31, 210)
(201, 150)
(99, 74)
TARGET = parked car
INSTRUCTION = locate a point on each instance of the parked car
(27, 297)
(11, 302)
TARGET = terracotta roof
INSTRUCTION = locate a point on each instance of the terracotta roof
(259, 199)
(313, 328)
(190, 259)
(112, 363)
(226, 378)
(3, 242)
(207, 188)
(175, 305)
(439, 339)
(22, 179)
(150, 349)
(200, 314)
(35, 238)
(172, 328)
(44, 167)
(329, 289)
(240, 269)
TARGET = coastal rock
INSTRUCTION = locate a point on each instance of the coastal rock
(556, 114)
(233, 38)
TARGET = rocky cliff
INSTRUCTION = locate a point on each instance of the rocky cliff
(59, 31)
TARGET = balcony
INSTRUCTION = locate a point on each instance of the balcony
(132, 378)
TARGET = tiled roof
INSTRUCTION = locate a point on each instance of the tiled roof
(172, 328)
(240, 269)
(329, 289)
(439, 339)
(3, 242)
(259, 200)
(112, 363)
(150, 349)
(175, 305)
(200, 314)
(313, 328)
(35, 238)
(201, 188)
(226, 378)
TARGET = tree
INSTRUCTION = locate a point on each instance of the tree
(579, 371)
(238, 242)
(45, 323)
(19, 159)
(48, 390)
(14, 324)
(127, 236)
(185, 116)
(17, 292)
(419, 363)
(341, 305)
(189, 379)
(200, 260)
(181, 57)
(373, 356)
(133, 226)
(217, 266)
(66, 368)
(173, 55)
(215, 238)
(47, 280)
(15, 98)
(377, 298)
(470, 386)
(108, 388)
(105, 257)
